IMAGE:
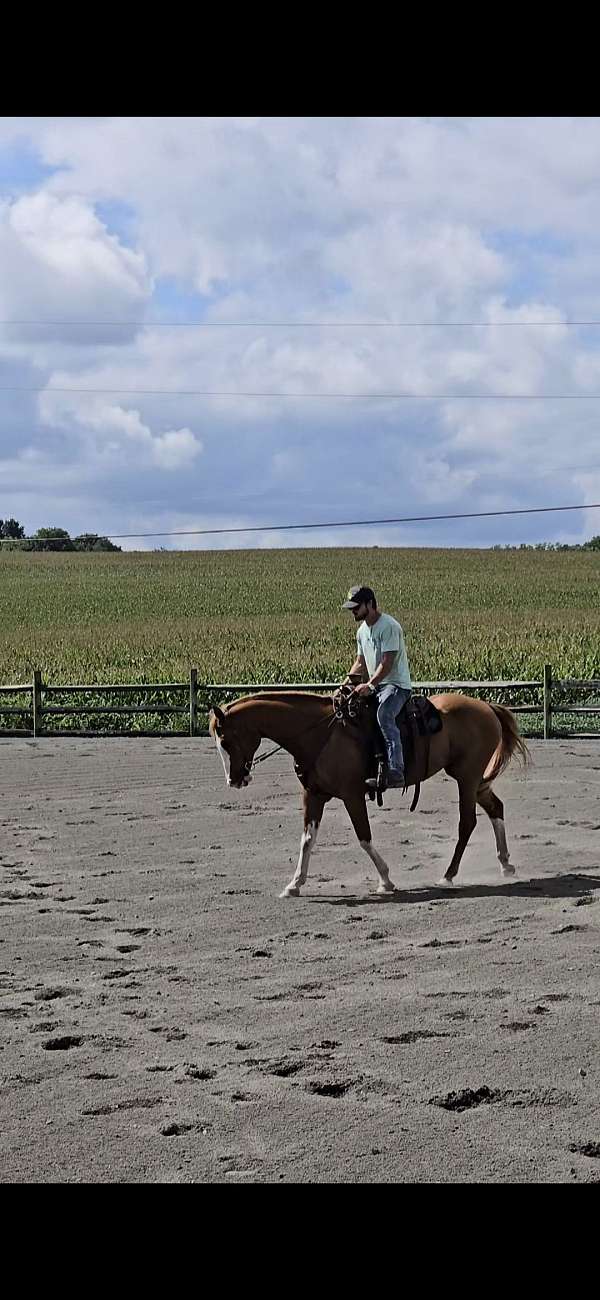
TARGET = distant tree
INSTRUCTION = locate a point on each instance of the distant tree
(93, 542)
(11, 528)
(12, 537)
(52, 539)
(592, 545)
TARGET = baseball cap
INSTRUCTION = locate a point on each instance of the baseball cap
(358, 596)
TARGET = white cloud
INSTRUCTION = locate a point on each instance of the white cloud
(304, 219)
(59, 263)
(121, 433)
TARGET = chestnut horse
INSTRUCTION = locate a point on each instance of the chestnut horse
(475, 744)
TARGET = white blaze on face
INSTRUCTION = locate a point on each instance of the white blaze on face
(225, 759)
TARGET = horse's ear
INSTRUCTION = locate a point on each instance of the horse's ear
(218, 714)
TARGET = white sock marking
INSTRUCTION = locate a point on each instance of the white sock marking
(225, 759)
(501, 845)
(383, 870)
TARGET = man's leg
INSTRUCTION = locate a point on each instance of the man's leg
(391, 699)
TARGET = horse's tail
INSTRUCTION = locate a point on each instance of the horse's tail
(512, 742)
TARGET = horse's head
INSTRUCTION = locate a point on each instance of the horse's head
(236, 745)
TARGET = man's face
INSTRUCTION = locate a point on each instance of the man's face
(360, 612)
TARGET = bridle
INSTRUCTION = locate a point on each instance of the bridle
(250, 763)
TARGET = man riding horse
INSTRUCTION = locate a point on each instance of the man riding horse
(474, 744)
(382, 658)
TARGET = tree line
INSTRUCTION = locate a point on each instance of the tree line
(12, 537)
(592, 545)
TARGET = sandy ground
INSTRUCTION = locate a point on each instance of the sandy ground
(165, 1017)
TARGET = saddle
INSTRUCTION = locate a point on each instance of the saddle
(418, 721)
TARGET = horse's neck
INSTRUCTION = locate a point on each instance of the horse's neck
(284, 721)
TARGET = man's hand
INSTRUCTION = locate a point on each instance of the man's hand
(363, 689)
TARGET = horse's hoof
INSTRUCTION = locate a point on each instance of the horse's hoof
(508, 870)
(386, 888)
(291, 891)
(448, 884)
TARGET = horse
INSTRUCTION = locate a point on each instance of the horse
(475, 744)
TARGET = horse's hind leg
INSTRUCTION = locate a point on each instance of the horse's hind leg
(466, 825)
(313, 812)
(494, 808)
(359, 817)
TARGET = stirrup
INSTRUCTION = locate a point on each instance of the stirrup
(377, 784)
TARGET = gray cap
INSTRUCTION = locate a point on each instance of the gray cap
(358, 596)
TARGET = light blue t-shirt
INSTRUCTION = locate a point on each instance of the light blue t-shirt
(386, 634)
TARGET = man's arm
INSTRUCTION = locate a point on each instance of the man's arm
(359, 667)
(387, 660)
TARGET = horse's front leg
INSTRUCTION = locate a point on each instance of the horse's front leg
(357, 811)
(313, 812)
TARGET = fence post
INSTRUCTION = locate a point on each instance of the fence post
(547, 702)
(37, 702)
(193, 701)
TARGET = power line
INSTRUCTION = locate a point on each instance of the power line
(346, 523)
(360, 523)
(305, 324)
(362, 397)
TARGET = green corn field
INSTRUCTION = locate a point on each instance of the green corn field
(260, 616)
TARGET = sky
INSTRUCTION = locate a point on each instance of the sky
(303, 272)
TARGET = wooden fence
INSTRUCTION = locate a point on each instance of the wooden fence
(30, 709)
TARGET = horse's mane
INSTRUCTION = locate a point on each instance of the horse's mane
(278, 697)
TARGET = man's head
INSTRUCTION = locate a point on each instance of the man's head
(361, 600)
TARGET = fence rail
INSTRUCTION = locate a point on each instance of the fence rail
(554, 700)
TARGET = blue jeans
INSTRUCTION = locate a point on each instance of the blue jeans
(390, 701)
